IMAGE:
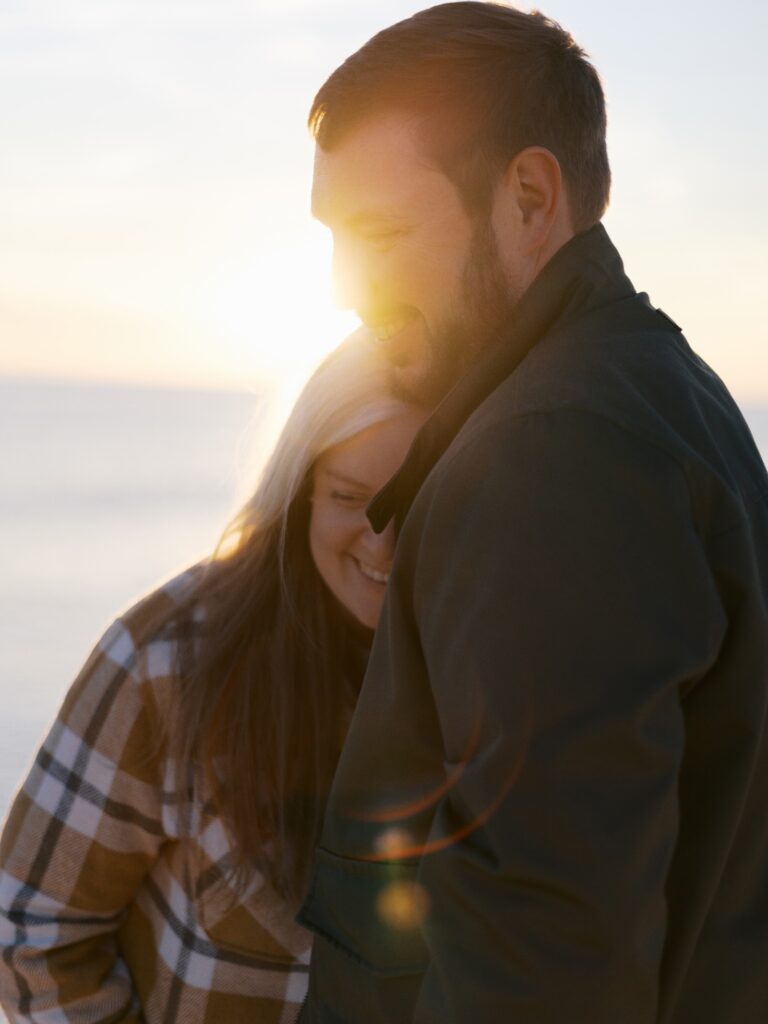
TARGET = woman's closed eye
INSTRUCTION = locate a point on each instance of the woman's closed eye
(349, 499)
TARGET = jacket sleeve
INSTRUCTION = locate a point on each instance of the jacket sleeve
(82, 833)
(564, 604)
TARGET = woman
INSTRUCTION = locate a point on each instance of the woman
(153, 860)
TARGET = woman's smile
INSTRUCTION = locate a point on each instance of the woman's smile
(376, 575)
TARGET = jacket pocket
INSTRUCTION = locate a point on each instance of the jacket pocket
(369, 911)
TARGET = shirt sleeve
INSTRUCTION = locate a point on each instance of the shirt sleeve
(82, 833)
(564, 604)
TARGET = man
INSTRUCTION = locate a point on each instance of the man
(551, 804)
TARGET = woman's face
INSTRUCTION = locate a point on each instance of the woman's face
(353, 561)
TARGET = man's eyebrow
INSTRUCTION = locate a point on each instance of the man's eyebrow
(360, 219)
(372, 218)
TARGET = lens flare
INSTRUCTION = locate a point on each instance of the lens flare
(403, 905)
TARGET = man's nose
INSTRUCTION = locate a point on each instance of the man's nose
(350, 289)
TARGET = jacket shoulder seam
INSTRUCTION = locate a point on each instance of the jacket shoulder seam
(592, 414)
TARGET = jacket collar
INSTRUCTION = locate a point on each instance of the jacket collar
(586, 273)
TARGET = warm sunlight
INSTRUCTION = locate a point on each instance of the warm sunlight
(275, 314)
(475, 597)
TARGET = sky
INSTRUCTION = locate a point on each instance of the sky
(155, 172)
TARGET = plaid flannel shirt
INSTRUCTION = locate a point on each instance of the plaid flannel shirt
(110, 910)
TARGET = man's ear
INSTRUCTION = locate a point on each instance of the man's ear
(531, 193)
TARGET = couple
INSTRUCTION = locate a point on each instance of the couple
(550, 802)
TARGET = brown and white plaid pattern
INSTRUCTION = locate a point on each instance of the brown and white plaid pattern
(109, 911)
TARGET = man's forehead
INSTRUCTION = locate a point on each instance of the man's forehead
(377, 168)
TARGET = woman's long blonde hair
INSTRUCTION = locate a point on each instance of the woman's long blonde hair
(267, 690)
(347, 393)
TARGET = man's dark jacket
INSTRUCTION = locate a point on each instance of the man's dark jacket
(552, 806)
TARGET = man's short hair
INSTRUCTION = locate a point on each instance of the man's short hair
(487, 81)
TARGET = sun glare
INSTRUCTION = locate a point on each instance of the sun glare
(276, 312)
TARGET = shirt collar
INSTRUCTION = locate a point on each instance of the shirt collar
(587, 272)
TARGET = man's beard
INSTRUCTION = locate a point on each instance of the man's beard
(487, 302)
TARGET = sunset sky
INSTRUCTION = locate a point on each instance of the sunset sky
(154, 180)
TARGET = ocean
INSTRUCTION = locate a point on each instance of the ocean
(105, 491)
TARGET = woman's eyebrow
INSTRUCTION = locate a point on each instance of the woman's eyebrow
(344, 479)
